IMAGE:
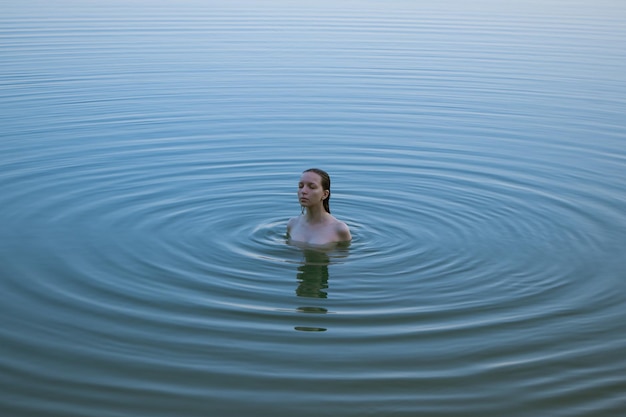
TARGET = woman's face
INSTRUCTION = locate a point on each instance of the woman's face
(310, 191)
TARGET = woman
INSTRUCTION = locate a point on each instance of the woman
(316, 226)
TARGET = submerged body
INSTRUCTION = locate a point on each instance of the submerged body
(316, 226)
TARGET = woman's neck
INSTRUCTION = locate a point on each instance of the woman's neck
(315, 214)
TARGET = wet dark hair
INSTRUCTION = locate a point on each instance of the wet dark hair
(325, 185)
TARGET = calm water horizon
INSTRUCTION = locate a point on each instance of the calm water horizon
(150, 159)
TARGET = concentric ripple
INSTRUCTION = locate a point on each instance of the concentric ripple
(151, 155)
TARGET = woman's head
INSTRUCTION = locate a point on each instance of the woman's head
(324, 182)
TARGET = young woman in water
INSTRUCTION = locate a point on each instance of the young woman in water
(316, 226)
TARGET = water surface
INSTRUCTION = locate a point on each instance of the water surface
(150, 159)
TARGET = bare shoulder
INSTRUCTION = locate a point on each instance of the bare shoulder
(343, 231)
(292, 222)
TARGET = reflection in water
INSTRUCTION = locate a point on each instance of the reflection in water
(313, 275)
(312, 283)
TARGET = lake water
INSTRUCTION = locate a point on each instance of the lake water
(150, 153)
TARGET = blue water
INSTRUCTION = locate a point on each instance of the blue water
(150, 154)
